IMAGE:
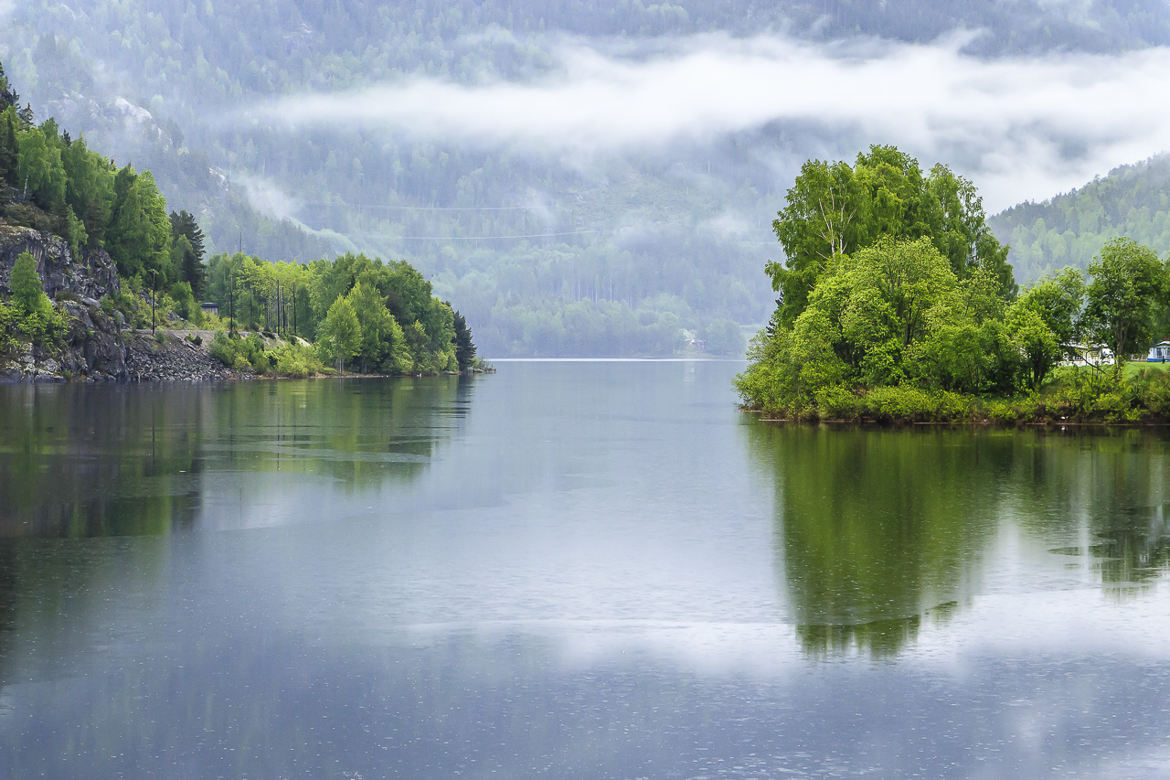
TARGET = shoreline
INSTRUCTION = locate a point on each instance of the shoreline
(139, 356)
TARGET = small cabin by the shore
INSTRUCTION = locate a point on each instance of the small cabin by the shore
(1159, 352)
(210, 307)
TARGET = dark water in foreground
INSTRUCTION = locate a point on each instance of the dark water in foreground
(571, 570)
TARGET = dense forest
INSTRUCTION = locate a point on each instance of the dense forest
(1070, 229)
(382, 316)
(620, 254)
(918, 318)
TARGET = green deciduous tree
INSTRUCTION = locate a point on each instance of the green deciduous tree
(25, 283)
(1059, 301)
(377, 325)
(1128, 289)
(89, 190)
(139, 235)
(39, 170)
(835, 209)
(340, 335)
(1035, 342)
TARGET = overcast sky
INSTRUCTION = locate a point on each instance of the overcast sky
(1021, 128)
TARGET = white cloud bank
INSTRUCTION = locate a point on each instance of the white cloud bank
(1023, 127)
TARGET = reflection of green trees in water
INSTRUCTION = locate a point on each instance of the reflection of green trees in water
(1115, 486)
(84, 461)
(880, 531)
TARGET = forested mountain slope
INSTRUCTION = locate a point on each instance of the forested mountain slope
(550, 248)
(1071, 228)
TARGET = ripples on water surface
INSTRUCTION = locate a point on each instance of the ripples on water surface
(568, 569)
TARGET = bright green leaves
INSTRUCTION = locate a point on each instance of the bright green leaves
(25, 283)
(835, 209)
(1128, 290)
(139, 234)
(339, 337)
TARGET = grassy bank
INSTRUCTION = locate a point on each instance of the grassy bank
(1073, 395)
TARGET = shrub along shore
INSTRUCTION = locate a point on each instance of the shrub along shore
(1075, 396)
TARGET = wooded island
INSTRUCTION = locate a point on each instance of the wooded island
(897, 304)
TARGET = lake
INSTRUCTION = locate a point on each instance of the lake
(568, 569)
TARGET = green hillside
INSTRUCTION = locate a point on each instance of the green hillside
(1070, 229)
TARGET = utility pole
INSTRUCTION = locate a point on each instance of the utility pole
(153, 297)
(231, 302)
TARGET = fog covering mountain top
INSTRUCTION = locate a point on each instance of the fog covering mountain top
(585, 178)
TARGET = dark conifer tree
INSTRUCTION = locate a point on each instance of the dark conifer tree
(8, 145)
(8, 96)
(191, 265)
(464, 346)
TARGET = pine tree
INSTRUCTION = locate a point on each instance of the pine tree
(9, 150)
(190, 266)
(464, 346)
(8, 96)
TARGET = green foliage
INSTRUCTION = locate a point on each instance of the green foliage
(376, 326)
(1071, 229)
(296, 360)
(139, 235)
(40, 172)
(184, 302)
(31, 315)
(293, 297)
(834, 209)
(25, 283)
(9, 330)
(464, 346)
(188, 241)
(723, 337)
(891, 332)
(340, 335)
(241, 354)
(1059, 301)
(1128, 290)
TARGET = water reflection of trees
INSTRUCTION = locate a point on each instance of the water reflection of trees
(876, 530)
(1111, 485)
(144, 461)
(879, 532)
(91, 461)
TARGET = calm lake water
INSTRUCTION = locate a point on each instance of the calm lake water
(580, 569)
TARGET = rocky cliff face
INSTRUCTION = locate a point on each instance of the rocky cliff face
(97, 346)
(91, 276)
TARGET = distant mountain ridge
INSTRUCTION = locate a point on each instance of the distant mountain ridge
(1070, 228)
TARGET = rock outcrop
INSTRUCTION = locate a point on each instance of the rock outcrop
(91, 276)
(97, 346)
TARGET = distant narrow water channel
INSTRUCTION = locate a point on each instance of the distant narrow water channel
(579, 569)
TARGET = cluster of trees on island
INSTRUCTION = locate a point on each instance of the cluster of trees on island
(896, 302)
(381, 315)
